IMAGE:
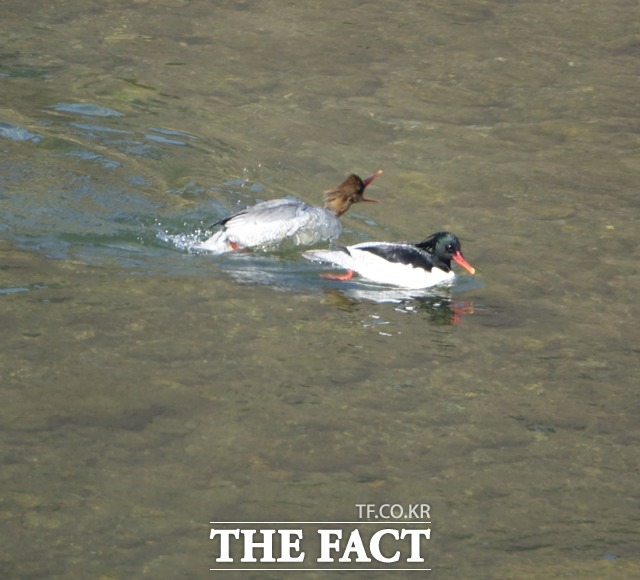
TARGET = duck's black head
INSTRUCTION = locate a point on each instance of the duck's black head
(444, 247)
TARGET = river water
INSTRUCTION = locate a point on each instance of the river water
(148, 390)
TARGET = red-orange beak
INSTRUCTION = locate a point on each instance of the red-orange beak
(460, 260)
(367, 181)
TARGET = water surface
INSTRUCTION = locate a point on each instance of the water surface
(148, 390)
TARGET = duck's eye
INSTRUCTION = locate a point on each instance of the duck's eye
(450, 248)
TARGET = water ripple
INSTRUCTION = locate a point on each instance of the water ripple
(88, 109)
(17, 133)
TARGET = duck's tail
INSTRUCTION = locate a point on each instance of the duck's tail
(218, 243)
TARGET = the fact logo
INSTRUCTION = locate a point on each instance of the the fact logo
(392, 537)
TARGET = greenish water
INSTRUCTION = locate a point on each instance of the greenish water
(147, 390)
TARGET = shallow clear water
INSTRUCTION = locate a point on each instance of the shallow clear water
(148, 390)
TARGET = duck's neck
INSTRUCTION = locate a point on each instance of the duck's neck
(443, 265)
(429, 246)
(336, 204)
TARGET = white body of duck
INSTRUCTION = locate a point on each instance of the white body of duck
(401, 264)
(270, 223)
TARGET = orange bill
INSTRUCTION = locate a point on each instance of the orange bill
(462, 262)
(367, 181)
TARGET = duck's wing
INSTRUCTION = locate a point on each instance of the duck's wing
(398, 253)
(263, 212)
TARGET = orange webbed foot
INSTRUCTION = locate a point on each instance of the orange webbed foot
(346, 276)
